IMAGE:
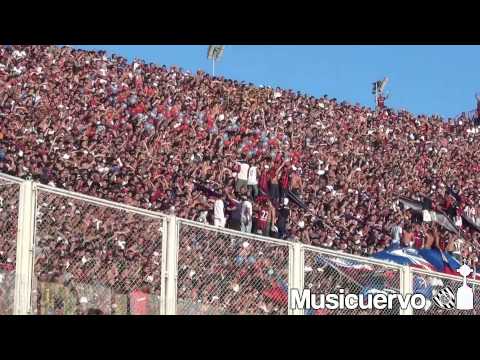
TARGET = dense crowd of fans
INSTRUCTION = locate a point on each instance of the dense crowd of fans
(255, 159)
(110, 258)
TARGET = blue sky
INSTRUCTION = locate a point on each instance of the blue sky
(423, 79)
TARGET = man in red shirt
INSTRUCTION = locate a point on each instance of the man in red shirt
(264, 177)
(284, 182)
(262, 218)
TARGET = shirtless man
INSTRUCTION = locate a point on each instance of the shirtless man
(407, 236)
(274, 189)
(297, 183)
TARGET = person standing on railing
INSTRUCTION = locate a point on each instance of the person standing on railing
(396, 234)
(218, 213)
(242, 176)
(252, 181)
(246, 217)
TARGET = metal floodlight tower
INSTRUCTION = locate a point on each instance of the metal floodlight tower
(383, 84)
(378, 87)
(215, 53)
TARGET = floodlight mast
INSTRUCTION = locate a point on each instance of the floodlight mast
(215, 52)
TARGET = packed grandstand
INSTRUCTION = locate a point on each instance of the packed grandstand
(258, 160)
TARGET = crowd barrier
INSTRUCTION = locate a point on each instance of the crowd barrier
(66, 253)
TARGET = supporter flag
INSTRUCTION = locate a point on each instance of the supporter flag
(439, 260)
(427, 259)
(444, 221)
(404, 256)
(436, 216)
(295, 199)
(343, 263)
(470, 222)
(422, 286)
(368, 278)
(411, 204)
(361, 274)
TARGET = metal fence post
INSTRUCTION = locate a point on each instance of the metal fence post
(295, 275)
(171, 269)
(164, 232)
(406, 287)
(25, 248)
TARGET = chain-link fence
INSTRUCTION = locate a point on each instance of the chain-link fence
(432, 284)
(327, 273)
(222, 272)
(9, 199)
(95, 258)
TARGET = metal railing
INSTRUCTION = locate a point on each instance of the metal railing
(68, 253)
(226, 272)
(430, 283)
(9, 209)
(328, 272)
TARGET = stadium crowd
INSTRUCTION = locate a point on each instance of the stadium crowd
(255, 159)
